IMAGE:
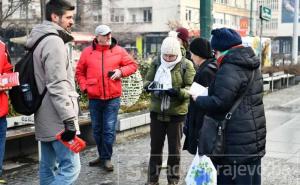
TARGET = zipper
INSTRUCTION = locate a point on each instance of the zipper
(219, 130)
(103, 74)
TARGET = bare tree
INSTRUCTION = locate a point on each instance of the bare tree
(11, 7)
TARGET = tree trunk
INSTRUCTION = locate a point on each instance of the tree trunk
(43, 4)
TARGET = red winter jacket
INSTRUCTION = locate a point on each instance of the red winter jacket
(5, 67)
(94, 64)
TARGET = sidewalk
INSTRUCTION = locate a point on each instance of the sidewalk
(279, 167)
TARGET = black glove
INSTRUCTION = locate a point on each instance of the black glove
(172, 92)
(70, 130)
(147, 89)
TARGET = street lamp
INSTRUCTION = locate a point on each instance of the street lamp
(251, 18)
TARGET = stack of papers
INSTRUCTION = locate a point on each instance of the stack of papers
(198, 90)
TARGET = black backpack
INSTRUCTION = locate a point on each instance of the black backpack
(26, 98)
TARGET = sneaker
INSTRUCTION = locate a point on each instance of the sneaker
(108, 165)
(2, 180)
(95, 162)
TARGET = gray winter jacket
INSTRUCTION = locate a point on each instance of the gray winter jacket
(53, 69)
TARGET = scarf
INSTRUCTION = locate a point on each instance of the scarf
(163, 76)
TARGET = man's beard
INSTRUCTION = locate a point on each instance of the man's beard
(68, 28)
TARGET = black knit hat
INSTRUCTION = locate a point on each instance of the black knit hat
(201, 47)
(224, 39)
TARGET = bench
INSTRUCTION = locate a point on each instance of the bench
(267, 81)
(277, 80)
(288, 79)
(23, 130)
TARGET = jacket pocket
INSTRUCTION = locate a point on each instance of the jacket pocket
(115, 88)
(93, 88)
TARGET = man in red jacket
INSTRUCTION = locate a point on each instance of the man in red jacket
(5, 67)
(99, 71)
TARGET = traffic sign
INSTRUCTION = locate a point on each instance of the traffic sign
(265, 13)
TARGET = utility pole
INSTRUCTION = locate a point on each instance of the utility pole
(205, 18)
(251, 18)
(26, 17)
(295, 33)
(43, 4)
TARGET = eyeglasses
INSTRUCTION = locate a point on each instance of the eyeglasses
(170, 57)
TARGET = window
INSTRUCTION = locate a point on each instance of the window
(133, 18)
(117, 15)
(148, 15)
(188, 15)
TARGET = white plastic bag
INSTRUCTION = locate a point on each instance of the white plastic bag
(201, 172)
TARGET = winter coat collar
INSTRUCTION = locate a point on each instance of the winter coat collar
(45, 28)
(241, 56)
(98, 47)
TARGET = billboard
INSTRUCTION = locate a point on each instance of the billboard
(255, 42)
(287, 11)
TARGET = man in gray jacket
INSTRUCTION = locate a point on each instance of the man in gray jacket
(59, 109)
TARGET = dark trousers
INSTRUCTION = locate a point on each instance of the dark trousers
(158, 132)
(242, 174)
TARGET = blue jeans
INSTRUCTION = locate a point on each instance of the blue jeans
(3, 126)
(58, 165)
(104, 116)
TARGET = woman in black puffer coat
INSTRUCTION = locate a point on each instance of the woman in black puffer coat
(246, 130)
(206, 66)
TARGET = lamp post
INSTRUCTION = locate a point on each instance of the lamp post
(295, 33)
(251, 18)
(205, 18)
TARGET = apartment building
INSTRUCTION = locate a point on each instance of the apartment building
(234, 14)
(150, 20)
(280, 28)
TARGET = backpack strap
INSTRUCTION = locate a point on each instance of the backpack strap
(33, 48)
(40, 39)
(183, 67)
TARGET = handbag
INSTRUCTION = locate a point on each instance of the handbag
(212, 134)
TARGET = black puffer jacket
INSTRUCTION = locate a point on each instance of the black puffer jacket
(246, 131)
(204, 76)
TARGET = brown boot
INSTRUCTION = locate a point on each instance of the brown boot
(95, 162)
(108, 166)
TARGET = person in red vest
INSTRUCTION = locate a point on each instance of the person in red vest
(5, 67)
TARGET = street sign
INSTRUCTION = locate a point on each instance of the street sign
(265, 13)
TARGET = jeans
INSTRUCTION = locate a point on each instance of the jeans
(104, 116)
(58, 165)
(239, 174)
(158, 132)
(3, 126)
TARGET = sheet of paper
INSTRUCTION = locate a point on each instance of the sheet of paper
(198, 90)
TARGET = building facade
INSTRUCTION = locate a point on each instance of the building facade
(280, 28)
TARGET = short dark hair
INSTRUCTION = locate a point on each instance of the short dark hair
(57, 7)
